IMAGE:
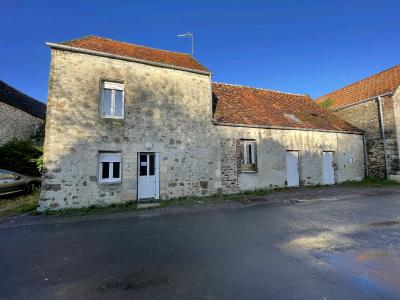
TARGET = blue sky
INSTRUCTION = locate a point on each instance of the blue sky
(308, 47)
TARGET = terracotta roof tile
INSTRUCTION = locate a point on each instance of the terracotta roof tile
(109, 46)
(384, 82)
(251, 106)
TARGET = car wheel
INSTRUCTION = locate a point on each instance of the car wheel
(30, 187)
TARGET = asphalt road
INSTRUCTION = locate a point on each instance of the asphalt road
(347, 249)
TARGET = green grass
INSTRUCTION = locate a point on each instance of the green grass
(14, 205)
(371, 182)
(92, 210)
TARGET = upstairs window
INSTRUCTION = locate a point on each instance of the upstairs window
(110, 167)
(112, 100)
(248, 155)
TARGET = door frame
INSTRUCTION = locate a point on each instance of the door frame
(333, 167)
(156, 173)
(298, 167)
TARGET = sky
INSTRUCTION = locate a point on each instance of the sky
(307, 47)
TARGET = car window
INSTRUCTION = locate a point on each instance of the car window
(6, 175)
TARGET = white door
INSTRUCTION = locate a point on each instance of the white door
(148, 173)
(328, 172)
(292, 168)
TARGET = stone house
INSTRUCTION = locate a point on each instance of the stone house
(373, 105)
(128, 123)
(21, 116)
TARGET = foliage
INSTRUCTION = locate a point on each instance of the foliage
(38, 135)
(39, 161)
(371, 181)
(21, 157)
(92, 210)
(327, 103)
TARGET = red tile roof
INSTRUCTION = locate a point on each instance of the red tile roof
(384, 82)
(242, 105)
(108, 46)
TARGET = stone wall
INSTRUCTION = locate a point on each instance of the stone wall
(168, 108)
(172, 110)
(366, 117)
(18, 124)
(396, 113)
(229, 166)
(272, 145)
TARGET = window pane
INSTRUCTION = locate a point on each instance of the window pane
(116, 166)
(106, 103)
(151, 167)
(248, 153)
(119, 104)
(143, 165)
(106, 170)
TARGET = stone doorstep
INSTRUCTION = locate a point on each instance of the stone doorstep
(148, 205)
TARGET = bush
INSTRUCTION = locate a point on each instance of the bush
(21, 157)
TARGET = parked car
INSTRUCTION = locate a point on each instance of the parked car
(11, 182)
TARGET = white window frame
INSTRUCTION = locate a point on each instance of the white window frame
(113, 86)
(253, 162)
(110, 157)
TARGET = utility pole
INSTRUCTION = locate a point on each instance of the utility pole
(191, 36)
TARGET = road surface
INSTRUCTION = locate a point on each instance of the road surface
(348, 249)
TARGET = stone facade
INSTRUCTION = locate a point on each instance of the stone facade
(171, 110)
(365, 116)
(168, 108)
(18, 124)
(272, 145)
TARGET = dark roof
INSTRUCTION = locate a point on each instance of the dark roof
(243, 105)
(100, 44)
(13, 97)
(376, 85)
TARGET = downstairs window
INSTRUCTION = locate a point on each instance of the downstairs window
(110, 167)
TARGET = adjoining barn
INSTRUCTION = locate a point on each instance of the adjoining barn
(373, 105)
(21, 116)
(128, 123)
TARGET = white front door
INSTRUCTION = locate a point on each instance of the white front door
(292, 168)
(148, 173)
(328, 172)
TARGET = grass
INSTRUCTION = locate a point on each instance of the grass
(28, 203)
(92, 210)
(19, 204)
(371, 182)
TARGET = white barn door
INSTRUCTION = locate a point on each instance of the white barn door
(292, 168)
(328, 172)
(148, 173)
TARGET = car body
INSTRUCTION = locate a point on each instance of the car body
(11, 182)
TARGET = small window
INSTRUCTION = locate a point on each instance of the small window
(110, 167)
(112, 100)
(248, 156)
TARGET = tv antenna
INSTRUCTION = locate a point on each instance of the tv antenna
(188, 35)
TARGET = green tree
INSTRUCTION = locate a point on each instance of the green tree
(21, 157)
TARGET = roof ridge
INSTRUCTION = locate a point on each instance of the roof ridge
(261, 89)
(358, 81)
(21, 93)
(126, 43)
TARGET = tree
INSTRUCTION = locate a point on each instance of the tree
(21, 157)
